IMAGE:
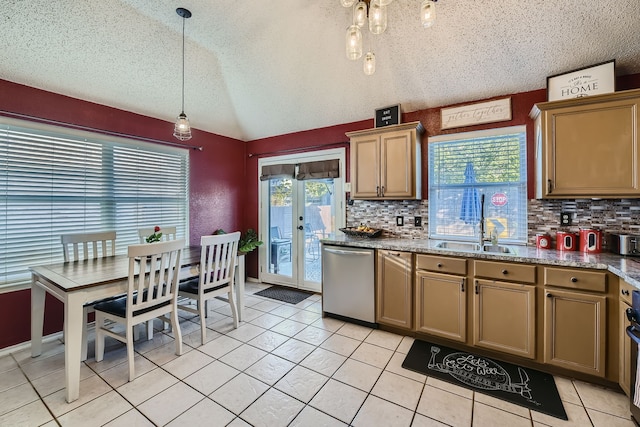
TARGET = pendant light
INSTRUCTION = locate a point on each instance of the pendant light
(377, 17)
(428, 13)
(182, 129)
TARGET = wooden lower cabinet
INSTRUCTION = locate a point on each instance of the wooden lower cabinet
(394, 286)
(440, 305)
(505, 317)
(575, 331)
(624, 354)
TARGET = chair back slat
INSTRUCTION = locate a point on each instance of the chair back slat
(168, 233)
(218, 260)
(83, 246)
(153, 274)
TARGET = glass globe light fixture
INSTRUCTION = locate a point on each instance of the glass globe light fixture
(369, 63)
(347, 3)
(360, 14)
(354, 42)
(182, 129)
(377, 17)
(428, 13)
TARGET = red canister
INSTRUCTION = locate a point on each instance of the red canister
(566, 241)
(543, 241)
(590, 240)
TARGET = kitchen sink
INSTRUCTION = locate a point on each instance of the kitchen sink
(473, 247)
(497, 248)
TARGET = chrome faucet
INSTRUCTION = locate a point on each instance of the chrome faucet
(481, 237)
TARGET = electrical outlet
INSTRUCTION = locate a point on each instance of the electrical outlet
(399, 221)
(417, 221)
(565, 218)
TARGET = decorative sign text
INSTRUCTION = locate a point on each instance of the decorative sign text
(499, 199)
(593, 80)
(475, 114)
(387, 116)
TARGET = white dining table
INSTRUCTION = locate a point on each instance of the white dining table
(79, 282)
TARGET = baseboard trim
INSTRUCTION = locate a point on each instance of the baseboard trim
(27, 344)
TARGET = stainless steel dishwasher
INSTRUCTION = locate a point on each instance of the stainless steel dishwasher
(348, 284)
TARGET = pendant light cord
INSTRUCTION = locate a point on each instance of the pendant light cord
(183, 21)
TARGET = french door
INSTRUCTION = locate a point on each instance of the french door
(295, 214)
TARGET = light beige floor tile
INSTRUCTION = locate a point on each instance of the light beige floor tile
(301, 383)
(187, 364)
(313, 335)
(311, 417)
(603, 399)
(97, 412)
(600, 419)
(399, 390)
(268, 341)
(146, 386)
(111, 358)
(31, 414)
(270, 369)
(272, 409)
(243, 357)
(249, 313)
(446, 407)
(422, 421)
(220, 346)
(159, 339)
(340, 344)
(223, 326)
(90, 389)
(194, 339)
(577, 417)
(267, 320)
(372, 354)
(488, 416)
(50, 424)
(250, 301)
(119, 374)
(304, 303)
(246, 332)
(240, 392)
(12, 378)
(452, 388)
(267, 305)
(323, 361)
(205, 412)
(306, 317)
(132, 418)
(212, 376)
(395, 366)
(294, 350)
(288, 327)
(354, 331)
(51, 348)
(384, 339)
(339, 400)
(238, 422)
(376, 411)
(166, 353)
(358, 374)
(41, 367)
(501, 404)
(7, 363)
(168, 404)
(328, 323)
(315, 307)
(405, 345)
(225, 309)
(56, 380)
(285, 310)
(567, 390)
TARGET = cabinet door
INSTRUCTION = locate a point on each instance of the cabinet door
(394, 289)
(440, 305)
(593, 150)
(365, 166)
(397, 172)
(575, 331)
(624, 355)
(504, 317)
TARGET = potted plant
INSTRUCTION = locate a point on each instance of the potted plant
(248, 240)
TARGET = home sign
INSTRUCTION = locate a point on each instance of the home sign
(594, 80)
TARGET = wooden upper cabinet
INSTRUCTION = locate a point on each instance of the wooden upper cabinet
(386, 162)
(588, 147)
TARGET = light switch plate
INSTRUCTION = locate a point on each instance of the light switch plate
(417, 221)
(347, 187)
(399, 221)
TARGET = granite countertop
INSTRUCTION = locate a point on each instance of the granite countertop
(627, 268)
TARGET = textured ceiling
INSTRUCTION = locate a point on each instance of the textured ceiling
(262, 68)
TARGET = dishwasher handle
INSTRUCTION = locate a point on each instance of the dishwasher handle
(342, 252)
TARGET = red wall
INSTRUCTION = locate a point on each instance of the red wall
(217, 178)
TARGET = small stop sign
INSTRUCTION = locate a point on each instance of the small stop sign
(499, 199)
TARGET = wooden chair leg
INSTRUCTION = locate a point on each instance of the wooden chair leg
(234, 310)
(130, 353)
(178, 333)
(85, 319)
(150, 329)
(99, 337)
(202, 308)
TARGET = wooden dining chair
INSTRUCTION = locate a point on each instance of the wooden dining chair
(168, 233)
(218, 258)
(84, 246)
(152, 292)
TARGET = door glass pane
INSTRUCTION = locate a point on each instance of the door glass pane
(319, 215)
(280, 226)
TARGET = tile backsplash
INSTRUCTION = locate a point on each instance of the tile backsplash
(609, 215)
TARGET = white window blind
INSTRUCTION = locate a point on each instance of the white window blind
(465, 166)
(55, 181)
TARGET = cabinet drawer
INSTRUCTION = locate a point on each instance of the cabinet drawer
(625, 291)
(505, 271)
(576, 279)
(441, 264)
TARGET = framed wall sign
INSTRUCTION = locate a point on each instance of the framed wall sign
(592, 80)
(475, 114)
(387, 116)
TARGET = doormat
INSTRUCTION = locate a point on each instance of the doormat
(523, 386)
(292, 296)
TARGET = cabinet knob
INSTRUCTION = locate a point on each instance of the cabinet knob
(549, 295)
(574, 279)
(505, 271)
(439, 265)
(624, 292)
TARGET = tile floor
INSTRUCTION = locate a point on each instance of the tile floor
(284, 366)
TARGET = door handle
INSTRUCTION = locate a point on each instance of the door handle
(477, 288)
(462, 285)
